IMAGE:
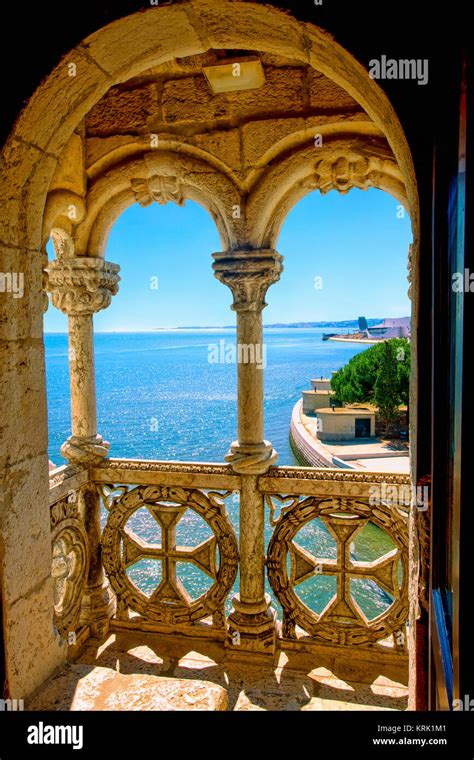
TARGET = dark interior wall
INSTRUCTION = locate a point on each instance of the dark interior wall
(466, 554)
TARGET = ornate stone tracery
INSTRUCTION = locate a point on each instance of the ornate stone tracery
(342, 621)
(162, 176)
(262, 200)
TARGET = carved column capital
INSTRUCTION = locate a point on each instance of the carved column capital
(82, 285)
(248, 274)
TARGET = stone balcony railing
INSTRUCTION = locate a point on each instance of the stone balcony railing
(88, 557)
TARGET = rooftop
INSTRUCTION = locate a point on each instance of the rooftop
(345, 410)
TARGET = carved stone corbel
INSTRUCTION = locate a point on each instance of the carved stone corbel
(63, 212)
(158, 188)
(343, 173)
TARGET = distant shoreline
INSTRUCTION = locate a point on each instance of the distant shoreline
(343, 324)
(340, 339)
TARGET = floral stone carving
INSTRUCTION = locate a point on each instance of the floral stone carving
(158, 188)
(70, 562)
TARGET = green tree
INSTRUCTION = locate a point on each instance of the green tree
(355, 382)
(386, 388)
(402, 354)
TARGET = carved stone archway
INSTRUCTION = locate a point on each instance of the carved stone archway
(114, 54)
(159, 177)
(341, 163)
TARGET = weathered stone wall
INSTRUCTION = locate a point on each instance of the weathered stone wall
(241, 131)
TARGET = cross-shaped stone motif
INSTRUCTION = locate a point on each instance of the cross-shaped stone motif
(341, 608)
(170, 591)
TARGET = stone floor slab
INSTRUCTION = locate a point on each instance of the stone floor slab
(84, 687)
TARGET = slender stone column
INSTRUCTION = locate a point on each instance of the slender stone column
(249, 274)
(79, 287)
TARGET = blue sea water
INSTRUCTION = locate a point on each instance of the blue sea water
(159, 397)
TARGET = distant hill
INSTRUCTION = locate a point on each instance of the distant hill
(345, 323)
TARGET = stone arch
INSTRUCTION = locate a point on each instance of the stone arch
(129, 46)
(168, 176)
(113, 54)
(343, 163)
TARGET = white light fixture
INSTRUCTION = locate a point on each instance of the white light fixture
(236, 74)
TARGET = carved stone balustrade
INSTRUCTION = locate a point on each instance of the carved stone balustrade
(168, 495)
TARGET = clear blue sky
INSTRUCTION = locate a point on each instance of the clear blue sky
(355, 243)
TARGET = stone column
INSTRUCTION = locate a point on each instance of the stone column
(79, 287)
(249, 274)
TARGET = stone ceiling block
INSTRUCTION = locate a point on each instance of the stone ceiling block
(137, 43)
(122, 111)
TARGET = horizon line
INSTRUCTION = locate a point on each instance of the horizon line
(302, 324)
